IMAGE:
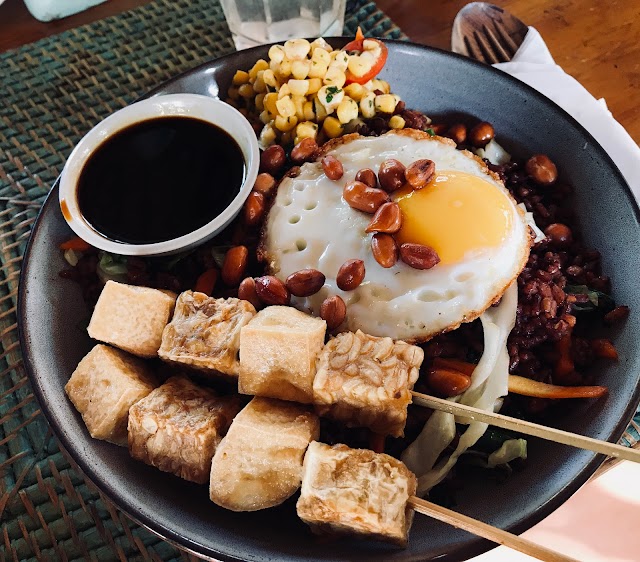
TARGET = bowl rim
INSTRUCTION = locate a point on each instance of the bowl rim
(473, 549)
(195, 106)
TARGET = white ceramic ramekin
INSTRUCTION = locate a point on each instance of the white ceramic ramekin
(174, 105)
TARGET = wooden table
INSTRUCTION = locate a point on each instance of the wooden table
(596, 41)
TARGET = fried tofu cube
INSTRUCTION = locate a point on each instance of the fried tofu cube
(366, 381)
(278, 352)
(178, 426)
(356, 491)
(205, 333)
(131, 318)
(102, 388)
(259, 463)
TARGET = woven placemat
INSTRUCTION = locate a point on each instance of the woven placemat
(54, 91)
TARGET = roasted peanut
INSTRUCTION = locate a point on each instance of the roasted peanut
(559, 234)
(271, 290)
(384, 249)
(367, 176)
(350, 275)
(265, 184)
(305, 282)
(447, 382)
(234, 265)
(332, 167)
(391, 175)
(481, 134)
(458, 133)
(254, 208)
(247, 292)
(542, 169)
(304, 151)
(333, 311)
(364, 198)
(418, 256)
(419, 173)
(388, 218)
(272, 159)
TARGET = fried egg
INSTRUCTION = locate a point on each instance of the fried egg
(464, 213)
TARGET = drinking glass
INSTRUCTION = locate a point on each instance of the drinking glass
(255, 22)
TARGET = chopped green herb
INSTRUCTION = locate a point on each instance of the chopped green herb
(431, 132)
(332, 91)
(598, 301)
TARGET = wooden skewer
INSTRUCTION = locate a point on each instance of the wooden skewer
(486, 531)
(528, 428)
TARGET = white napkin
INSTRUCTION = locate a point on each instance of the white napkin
(534, 65)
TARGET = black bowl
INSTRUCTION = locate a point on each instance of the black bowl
(437, 82)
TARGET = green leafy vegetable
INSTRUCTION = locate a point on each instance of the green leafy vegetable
(111, 267)
(431, 132)
(598, 302)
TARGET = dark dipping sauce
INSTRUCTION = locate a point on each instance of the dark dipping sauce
(160, 179)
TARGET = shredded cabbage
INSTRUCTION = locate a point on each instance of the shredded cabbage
(528, 218)
(111, 267)
(510, 450)
(489, 382)
(494, 153)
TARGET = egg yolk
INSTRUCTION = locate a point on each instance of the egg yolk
(456, 214)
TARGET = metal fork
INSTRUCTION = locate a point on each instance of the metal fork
(487, 33)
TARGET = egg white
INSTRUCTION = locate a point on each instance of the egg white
(311, 226)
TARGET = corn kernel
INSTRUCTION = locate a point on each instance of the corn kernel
(355, 91)
(381, 85)
(261, 64)
(317, 69)
(240, 77)
(265, 117)
(267, 136)
(307, 111)
(284, 91)
(259, 87)
(298, 87)
(396, 122)
(233, 93)
(321, 56)
(359, 65)
(286, 107)
(332, 127)
(300, 69)
(347, 110)
(320, 43)
(340, 60)
(284, 69)
(334, 77)
(246, 91)
(286, 123)
(269, 78)
(297, 49)
(330, 97)
(259, 101)
(298, 102)
(276, 53)
(306, 130)
(367, 105)
(314, 85)
(385, 103)
(269, 103)
(319, 109)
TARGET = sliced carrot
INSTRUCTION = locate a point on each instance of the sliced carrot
(206, 282)
(605, 349)
(455, 364)
(528, 387)
(564, 364)
(75, 243)
(376, 442)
